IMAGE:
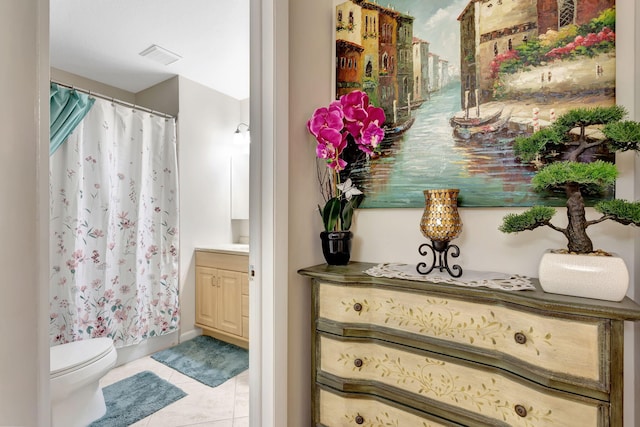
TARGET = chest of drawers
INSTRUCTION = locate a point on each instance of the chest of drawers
(405, 353)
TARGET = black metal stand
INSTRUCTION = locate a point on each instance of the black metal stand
(441, 248)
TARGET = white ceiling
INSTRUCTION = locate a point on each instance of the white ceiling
(101, 40)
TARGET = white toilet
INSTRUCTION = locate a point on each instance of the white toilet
(76, 368)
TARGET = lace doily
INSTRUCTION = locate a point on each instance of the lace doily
(469, 278)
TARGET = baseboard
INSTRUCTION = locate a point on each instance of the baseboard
(145, 348)
(191, 334)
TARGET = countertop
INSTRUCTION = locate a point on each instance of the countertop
(232, 248)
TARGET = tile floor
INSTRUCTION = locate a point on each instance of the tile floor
(224, 406)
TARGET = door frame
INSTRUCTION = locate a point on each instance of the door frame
(268, 212)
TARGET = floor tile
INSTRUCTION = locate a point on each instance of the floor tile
(241, 422)
(224, 406)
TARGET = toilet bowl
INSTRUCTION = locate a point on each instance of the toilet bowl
(76, 368)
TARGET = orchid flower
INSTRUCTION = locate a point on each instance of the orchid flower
(348, 120)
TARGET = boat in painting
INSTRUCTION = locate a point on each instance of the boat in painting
(393, 132)
(497, 124)
(463, 119)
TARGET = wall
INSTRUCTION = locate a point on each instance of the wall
(206, 123)
(393, 234)
(631, 21)
(24, 360)
(161, 97)
(65, 77)
(240, 227)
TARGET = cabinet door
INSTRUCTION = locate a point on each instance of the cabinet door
(230, 302)
(206, 289)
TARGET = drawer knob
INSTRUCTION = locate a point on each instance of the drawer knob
(520, 338)
(357, 306)
(359, 419)
(358, 363)
(521, 411)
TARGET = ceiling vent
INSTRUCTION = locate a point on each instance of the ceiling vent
(160, 54)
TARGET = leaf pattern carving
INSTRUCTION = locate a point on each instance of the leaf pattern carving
(435, 380)
(437, 319)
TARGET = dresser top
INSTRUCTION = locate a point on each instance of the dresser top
(354, 274)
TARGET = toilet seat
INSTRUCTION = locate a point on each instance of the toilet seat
(78, 354)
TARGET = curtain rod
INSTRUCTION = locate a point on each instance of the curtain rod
(112, 99)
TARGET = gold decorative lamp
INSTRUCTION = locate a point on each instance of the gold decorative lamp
(440, 223)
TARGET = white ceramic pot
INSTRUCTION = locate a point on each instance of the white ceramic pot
(589, 276)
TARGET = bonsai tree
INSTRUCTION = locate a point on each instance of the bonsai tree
(567, 162)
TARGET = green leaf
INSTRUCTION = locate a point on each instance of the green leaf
(331, 213)
(528, 148)
(621, 211)
(347, 211)
(527, 220)
(598, 173)
(623, 136)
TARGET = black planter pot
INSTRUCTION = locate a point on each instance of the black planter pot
(336, 246)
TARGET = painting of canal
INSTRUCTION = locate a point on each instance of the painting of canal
(459, 80)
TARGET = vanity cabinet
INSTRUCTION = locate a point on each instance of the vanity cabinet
(222, 295)
(402, 352)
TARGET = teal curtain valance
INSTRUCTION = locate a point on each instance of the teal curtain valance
(67, 109)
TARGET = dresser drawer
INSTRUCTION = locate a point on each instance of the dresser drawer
(341, 410)
(566, 349)
(437, 381)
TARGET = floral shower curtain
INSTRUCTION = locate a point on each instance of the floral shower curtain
(114, 222)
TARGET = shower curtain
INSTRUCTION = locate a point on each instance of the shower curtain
(114, 228)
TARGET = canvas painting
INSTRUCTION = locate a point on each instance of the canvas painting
(459, 80)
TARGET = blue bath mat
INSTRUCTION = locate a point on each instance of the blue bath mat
(135, 398)
(205, 359)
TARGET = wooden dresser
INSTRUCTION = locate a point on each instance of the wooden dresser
(390, 352)
(222, 295)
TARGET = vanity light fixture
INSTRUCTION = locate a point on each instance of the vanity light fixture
(242, 137)
(238, 127)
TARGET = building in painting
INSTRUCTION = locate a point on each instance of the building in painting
(434, 72)
(555, 14)
(405, 60)
(388, 83)
(370, 45)
(348, 66)
(349, 50)
(489, 28)
(445, 75)
(374, 53)
(420, 69)
(468, 52)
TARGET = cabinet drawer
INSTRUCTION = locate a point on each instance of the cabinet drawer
(340, 410)
(563, 348)
(238, 262)
(470, 389)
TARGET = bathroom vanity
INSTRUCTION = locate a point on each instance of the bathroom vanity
(222, 294)
(408, 353)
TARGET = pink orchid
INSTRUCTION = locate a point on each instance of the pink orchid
(348, 120)
(371, 137)
(324, 118)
